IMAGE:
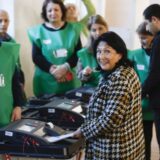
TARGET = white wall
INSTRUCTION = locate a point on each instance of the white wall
(8, 5)
(27, 13)
(123, 16)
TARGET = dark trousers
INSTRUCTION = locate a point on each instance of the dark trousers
(148, 125)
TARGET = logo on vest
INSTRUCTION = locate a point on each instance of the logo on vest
(2, 81)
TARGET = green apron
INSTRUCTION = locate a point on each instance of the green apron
(9, 53)
(57, 47)
(141, 60)
(88, 59)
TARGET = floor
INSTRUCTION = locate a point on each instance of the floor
(154, 154)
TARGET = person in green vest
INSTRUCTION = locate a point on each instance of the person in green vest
(7, 38)
(140, 58)
(4, 17)
(87, 64)
(54, 47)
(72, 15)
(11, 94)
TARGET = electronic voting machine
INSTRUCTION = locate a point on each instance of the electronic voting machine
(61, 111)
(82, 93)
(34, 138)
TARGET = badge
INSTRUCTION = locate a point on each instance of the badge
(140, 67)
(47, 41)
(2, 81)
(60, 53)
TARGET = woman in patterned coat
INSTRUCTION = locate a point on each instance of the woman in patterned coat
(113, 126)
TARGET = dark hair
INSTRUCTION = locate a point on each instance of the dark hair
(152, 10)
(117, 43)
(59, 2)
(141, 29)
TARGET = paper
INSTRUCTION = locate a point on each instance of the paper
(58, 138)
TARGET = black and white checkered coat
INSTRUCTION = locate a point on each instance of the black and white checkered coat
(113, 125)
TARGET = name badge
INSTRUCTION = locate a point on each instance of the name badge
(140, 67)
(60, 53)
(47, 41)
(2, 80)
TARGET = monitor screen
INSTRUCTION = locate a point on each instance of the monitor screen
(26, 128)
(65, 106)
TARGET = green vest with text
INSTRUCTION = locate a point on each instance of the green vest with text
(141, 60)
(57, 47)
(9, 53)
(87, 59)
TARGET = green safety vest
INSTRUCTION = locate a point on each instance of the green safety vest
(88, 59)
(52, 43)
(141, 60)
(9, 53)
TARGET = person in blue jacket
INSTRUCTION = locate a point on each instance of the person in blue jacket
(140, 58)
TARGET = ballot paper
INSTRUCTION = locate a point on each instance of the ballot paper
(52, 139)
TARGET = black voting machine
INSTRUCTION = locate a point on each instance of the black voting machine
(60, 111)
(27, 136)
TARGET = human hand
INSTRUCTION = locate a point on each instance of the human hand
(78, 133)
(61, 80)
(16, 114)
(68, 77)
(87, 71)
(60, 71)
(52, 69)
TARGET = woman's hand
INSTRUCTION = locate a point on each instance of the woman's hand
(60, 71)
(16, 114)
(87, 71)
(78, 133)
(52, 69)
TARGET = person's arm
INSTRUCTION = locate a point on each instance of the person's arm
(18, 96)
(43, 64)
(39, 59)
(79, 69)
(90, 11)
(60, 71)
(153, 79)
(72, 61)
(84, 74)
(118, 99)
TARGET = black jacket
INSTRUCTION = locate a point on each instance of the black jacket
(151, 86)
